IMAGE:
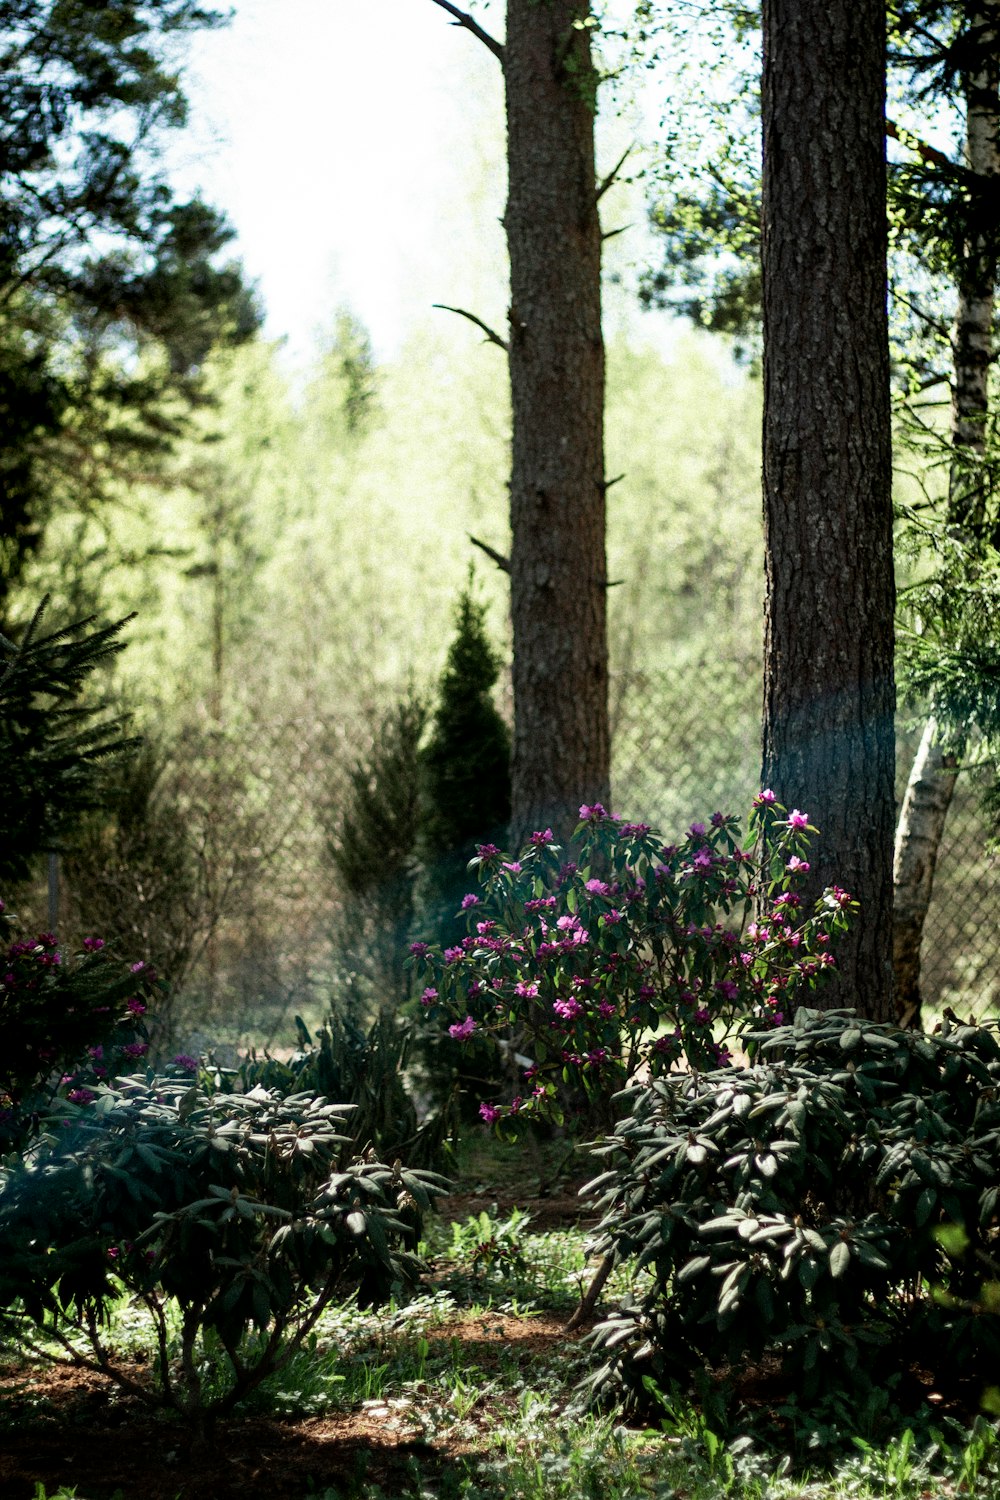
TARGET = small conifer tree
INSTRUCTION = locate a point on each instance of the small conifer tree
(465, 770)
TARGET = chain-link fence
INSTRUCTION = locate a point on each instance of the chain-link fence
(260, 802)
(688, 741)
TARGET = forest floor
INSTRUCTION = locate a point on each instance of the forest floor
(468, 1392)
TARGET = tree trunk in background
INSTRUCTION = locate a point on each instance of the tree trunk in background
(829, 695)
(561, 750)
(918, 839)
(932, 778)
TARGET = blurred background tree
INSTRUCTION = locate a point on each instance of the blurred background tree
(112, 290)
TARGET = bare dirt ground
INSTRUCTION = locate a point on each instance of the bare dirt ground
(68, 1427)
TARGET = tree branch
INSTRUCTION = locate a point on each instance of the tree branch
(503, 563)
(463, 19)
(491, 335)
(929, 154)
(918, 312)
(612, 176)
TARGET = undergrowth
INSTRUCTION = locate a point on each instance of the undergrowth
(503, 1417)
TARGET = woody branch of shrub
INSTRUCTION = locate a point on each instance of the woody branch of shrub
(624, 953)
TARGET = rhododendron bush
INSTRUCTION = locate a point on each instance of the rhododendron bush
(68, 1021)
(622, 952)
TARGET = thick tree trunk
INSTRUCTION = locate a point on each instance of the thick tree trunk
(561, 747)
(829, 695)
(932, 778)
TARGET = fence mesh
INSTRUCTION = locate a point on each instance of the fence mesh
(688, 742)
(261, 802)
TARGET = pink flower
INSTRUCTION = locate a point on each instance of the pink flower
(135, 1005)
(592, 814)
(798, 819)
(703, 859)
(697, 830)
(418, 949)
(512, 866)
(463, 1030)
(526, 991)
(796, 866)
(598, 888)
(452, 955)
(93, 944)
(766, 798)
(430, 994)
(469, 900)
(135, 1049)
(489, 1113)
(542, 836)
(568, 1009)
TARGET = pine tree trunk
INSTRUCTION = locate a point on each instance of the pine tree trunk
(561, 750)
(932, 779)
(829, 696)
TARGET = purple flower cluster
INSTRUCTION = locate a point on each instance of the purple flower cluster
(631, 952)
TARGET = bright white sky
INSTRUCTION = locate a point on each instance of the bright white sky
(344, 139)
(357, 147)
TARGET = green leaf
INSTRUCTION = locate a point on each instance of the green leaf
(840, 1257)
(925, 1206)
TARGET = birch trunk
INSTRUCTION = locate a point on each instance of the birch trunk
(932, 778)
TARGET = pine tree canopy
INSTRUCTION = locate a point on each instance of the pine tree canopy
(112, 292)
(52, 738)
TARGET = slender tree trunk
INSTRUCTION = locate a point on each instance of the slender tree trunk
(932, 777)
(561, 749)
(829, 695)
(918, 839)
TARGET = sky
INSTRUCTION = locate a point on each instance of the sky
(357, 149)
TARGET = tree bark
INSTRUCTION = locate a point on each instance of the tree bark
(932, 778)
(829, 694)
(561, 747)
(918, 839)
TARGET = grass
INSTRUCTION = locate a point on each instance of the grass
(476, 1375)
